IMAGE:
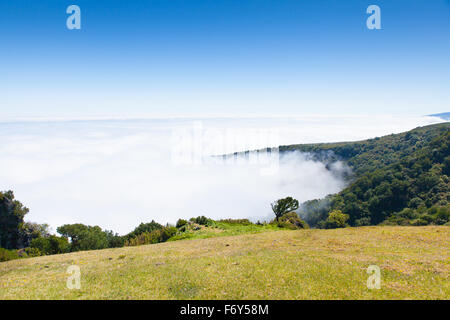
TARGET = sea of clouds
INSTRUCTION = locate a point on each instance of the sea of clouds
(119, 173)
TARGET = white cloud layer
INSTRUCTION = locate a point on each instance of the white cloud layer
(119, 173)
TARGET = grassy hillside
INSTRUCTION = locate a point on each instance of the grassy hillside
(401, 177)
(301, 264)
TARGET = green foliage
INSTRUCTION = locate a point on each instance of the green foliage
(291, 221)
(32, 252)
(84, 237)
(181, 223)
(223, 228)
(6, 255)
(314, 211)
(283, 206)
(144, 227)
(31, 230)
(155, 236)
(392, 173)
(114, 240)
(12, 213)
(244, 222)
(421, 216)
(202, 220)
(50, 245)
(336, 219)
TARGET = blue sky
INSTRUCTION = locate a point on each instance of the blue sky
(231, 57)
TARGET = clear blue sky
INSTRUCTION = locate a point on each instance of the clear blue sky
(223, 57)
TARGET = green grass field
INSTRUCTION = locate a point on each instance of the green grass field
(300, 264)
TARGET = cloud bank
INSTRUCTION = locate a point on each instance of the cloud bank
(119, 173)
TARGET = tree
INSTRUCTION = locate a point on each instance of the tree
(114, 240)
(12, 213)
(181, 223)
(51, 245)
(292, 221)
(84, 237)
(144, 227)
(31, 230)
(336, 219)
(389, 174)
(283, 206)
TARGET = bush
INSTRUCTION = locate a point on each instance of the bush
(144, 227)
(442, 215)
(155, 236)
(50, 245)
(291, 221)
(33, 252)
(6, 255)
(419, 222)
(31, 230)
(181, 223)
(362, 222)
(167, 233)
(84, 237)
(114, 240)
(336, 219)
(204, 221)
(244, 222)
(420, 217)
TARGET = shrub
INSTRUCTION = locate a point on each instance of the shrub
(155, 236)
(202, 220)
(362, 222)
(442, 215)
(51, 245)
(420, 217)
(114, 240)
(31, 230)
(6, 255)
(419, 222)
(33, 252)
(167, 233)
(336, 219)
(144, 227)
(84, 237)
(181, 223)
(244, 222)
(291, 221)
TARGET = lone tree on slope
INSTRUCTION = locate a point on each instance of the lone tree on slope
(283, 206)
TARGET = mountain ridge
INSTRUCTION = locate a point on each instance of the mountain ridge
(443, 115)
(392, 173)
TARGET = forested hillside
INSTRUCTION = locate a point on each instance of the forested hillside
(397, 179)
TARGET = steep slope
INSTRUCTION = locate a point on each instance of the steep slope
(390, 174)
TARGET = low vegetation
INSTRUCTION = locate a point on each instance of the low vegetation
(26, 240)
